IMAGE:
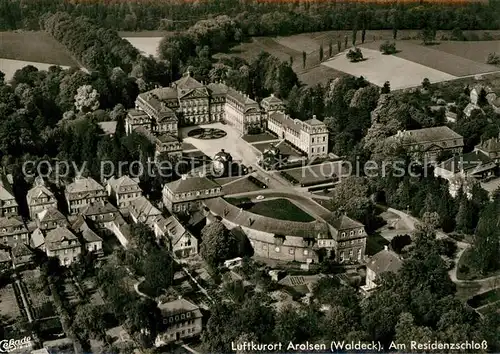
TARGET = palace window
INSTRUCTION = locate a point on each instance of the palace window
(351, 233)
(360, 231)
(306, 252)
(291, 251)
(276, 249)
(343, 234)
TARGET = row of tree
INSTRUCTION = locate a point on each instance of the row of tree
(257, 18)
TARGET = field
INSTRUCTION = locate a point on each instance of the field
(146, 45)
(18, 49)
(449, 57)
(451, 61)
(379, 68)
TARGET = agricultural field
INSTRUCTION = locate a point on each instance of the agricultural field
(378, 68)
(18, 49)
(452, 62)
(146, 45)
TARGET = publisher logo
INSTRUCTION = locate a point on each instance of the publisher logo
(7, 346)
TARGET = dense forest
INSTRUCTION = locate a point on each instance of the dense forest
(256, 18)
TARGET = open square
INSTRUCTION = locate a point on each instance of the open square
(232, 143)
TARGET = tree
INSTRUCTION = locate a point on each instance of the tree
(339, 46)
(218, 244)
(355, 55)
(363, 35)
(158, 269)
(394, 33)
(354, 35)
(493, 59)
(386, 88)
(466, 218)
(304, 58)
(426, 84)
(86, 99)
(321, 53)
(399, 242)
(291, 60)
(485, 254)
(346, 39)
(88, 321)
(428, 35)
(457, 34)
(388, 48)
(330, 48)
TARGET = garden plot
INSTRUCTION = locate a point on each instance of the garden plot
(379, 68)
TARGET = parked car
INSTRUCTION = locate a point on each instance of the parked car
(260, 197)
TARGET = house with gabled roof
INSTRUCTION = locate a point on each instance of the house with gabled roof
(62, 244)
(181, 320)
(50, 218)
(91, 241)
(123, 190)
(187, 193)
(181, 242)
(348, 238)
(382, 262)
(141, 210)
(8, 203)
(13, 231)
(428, 144)
(83, 191)
(491, 148)
(39, 198)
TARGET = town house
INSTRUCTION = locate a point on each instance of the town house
(123, 190)
(181, 320)
(62, 244)
(50, 218)
(348, 239)
(382, 262)
(186, 194)
(82, 192)
(181, 242)
(92, 242)
(13, 231)
(101, 216)
(428, 144)
(8, 204)
(39, 198)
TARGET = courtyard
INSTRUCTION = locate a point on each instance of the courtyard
(231, 142)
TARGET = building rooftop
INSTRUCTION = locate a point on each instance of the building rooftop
(429, 135)
(109, 128)
(124, 181)
(179, 306)
(55, 237)
(81, 185)
(187, 82)
(191, 184)
(472, 162)
(11, 221)
(272, 100)
(50, 214)
(344, 222)
(284, 120)
(6, 192)
(142, 209)
(38, 191)
(385, 261)
(490, 145)
(238, 216)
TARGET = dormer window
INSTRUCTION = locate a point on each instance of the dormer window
(360, 231)
(351, 233)
(343, 234)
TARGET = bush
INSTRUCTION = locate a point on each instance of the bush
(388, 48)
(354, 55)
(493, 59)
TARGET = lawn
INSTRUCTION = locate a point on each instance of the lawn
(452, 61)
(38, 47)
(8, 303)
(240, 186)
(315, 174)
(254, 138)
(281, 209)
(284, 148)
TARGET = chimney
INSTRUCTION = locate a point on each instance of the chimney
(314, 116)
(272, 94)
(221, 150)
